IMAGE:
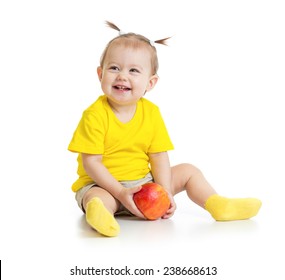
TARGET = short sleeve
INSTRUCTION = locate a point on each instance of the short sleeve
(89, 134)
(161, 141)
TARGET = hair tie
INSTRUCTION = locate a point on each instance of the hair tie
(121, 32)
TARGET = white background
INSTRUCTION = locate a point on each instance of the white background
(221, 93)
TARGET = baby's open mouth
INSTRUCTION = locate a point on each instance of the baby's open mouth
(122, 88)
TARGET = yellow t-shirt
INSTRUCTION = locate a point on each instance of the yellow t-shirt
(124, 146)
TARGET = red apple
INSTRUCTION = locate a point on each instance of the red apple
(152, 200)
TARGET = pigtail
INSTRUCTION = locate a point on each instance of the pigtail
(112, 25)
(162, 41)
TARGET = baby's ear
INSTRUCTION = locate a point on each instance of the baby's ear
(99, 73)
(152, 82)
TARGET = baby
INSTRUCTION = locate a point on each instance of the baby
(122, 143)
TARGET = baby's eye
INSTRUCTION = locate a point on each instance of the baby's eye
(114, 68)
(134, 70)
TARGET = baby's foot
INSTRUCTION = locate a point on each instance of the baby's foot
(99, 218)
(229, 209)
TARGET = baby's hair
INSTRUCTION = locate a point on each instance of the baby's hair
(135, 40)
(160, 41)
(112, 25)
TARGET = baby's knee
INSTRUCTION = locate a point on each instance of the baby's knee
(190, 169)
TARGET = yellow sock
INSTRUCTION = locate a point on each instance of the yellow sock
(230, 209)
(99, 218)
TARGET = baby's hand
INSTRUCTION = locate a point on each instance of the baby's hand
(171, 208)
(126, 198)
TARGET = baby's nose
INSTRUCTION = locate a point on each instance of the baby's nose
(121, 76)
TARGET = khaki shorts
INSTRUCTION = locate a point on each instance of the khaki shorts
(127, 184)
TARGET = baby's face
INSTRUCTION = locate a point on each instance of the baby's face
(126, 74)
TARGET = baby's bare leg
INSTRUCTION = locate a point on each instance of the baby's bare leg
(188, 177)
(108, 200)
(100, 207)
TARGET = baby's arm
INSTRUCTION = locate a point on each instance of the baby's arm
(99, 173)
(161, 172)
